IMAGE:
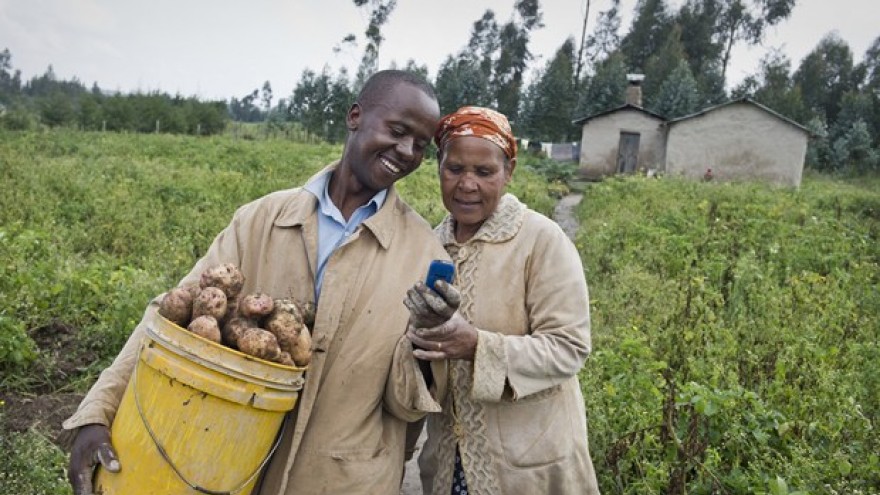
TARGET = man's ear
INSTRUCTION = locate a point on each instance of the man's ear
(353, 117)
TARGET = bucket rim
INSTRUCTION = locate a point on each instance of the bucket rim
(225, 359)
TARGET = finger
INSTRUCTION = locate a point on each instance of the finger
(417, 305)
(427, 355)
(449, 292)
(107, 457)
(436, 303)
(82, 484)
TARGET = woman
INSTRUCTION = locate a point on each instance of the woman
(506, 345)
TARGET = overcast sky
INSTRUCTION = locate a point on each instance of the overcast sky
(222, 48)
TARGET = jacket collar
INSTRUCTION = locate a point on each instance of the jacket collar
(300, 207)
(501, 226)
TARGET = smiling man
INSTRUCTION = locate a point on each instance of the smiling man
(349, 243)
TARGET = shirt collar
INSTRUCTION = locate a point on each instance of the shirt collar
(382, 224)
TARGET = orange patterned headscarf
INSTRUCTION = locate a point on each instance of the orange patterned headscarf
(478, 122)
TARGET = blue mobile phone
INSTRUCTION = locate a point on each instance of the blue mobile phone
(440, 270)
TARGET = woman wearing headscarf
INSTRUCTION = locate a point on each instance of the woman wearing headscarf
(505, 342)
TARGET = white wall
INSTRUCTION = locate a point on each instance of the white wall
(739, 141)
(600, 138)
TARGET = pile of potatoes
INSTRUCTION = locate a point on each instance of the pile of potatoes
(272, 329)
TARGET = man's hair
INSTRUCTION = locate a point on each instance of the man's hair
(382, 82)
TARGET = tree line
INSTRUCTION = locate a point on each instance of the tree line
(49, 101)
(684, 54)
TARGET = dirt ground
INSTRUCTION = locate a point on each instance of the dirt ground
(44, 405)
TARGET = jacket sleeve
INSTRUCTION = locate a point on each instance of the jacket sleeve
(407, 396)
(102, 401)
(558, 340)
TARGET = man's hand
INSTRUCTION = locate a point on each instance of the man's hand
(90, 447)
(429, 308)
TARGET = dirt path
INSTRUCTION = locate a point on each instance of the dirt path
(564, 215)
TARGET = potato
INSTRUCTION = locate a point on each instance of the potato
(286, 327)
(285, 359)
(302, 348)
(309, 310)
(256, 306)
(211, 301)
(226, 277)
(233, 329)
(206, 326)
(290, 306)
(177, 305)
(259, 343)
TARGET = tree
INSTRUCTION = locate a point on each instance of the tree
(870, 66)
(484, 41)
(513, 56)
(547, 113)
(825, 74)
(702, 48)
(320, 103)
(649, 29)
(461, 80)
(10, 82)
(266, 97)
(774, 88)
(379, 11)
(661, 64)
(607, 87)
(678, 95)
(747, 20)
(605, 38)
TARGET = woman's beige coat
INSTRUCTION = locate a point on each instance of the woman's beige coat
(346, 434)
(516, 411)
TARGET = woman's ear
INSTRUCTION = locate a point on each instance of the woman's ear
(508, 170)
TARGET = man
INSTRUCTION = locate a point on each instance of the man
(347, 242)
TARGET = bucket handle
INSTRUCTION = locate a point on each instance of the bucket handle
(168, 460)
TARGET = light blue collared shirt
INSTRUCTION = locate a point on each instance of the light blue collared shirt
(333, 230)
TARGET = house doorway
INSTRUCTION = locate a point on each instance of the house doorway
(628, 152)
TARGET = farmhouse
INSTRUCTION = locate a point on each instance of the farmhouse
(737, 140)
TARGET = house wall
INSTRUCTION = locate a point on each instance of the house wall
(738, 142)
(600, 138)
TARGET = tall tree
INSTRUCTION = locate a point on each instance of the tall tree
(10, 81)
(605, 39)
(462, 81)
(319, 103)
(825, 74)
(547, 112)
(607, 87)
(702, 47)
(379, 11)
(484, 41)
(871, 68)
(649, 30)
(773, 87)
(678, 95)
(514, 56)
(747, 20)
(661, 64)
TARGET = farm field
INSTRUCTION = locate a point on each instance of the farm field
(735, 326)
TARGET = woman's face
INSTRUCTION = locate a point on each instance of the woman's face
(473, 175)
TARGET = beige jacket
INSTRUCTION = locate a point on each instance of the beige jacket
(347, 432)
(516, 412)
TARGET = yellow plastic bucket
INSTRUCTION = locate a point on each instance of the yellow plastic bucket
(197, 417)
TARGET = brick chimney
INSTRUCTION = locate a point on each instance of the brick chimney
(634, 89)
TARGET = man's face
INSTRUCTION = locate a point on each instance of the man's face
(389, 136)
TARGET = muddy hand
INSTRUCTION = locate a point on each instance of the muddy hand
(429, 308)
(91, 447)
